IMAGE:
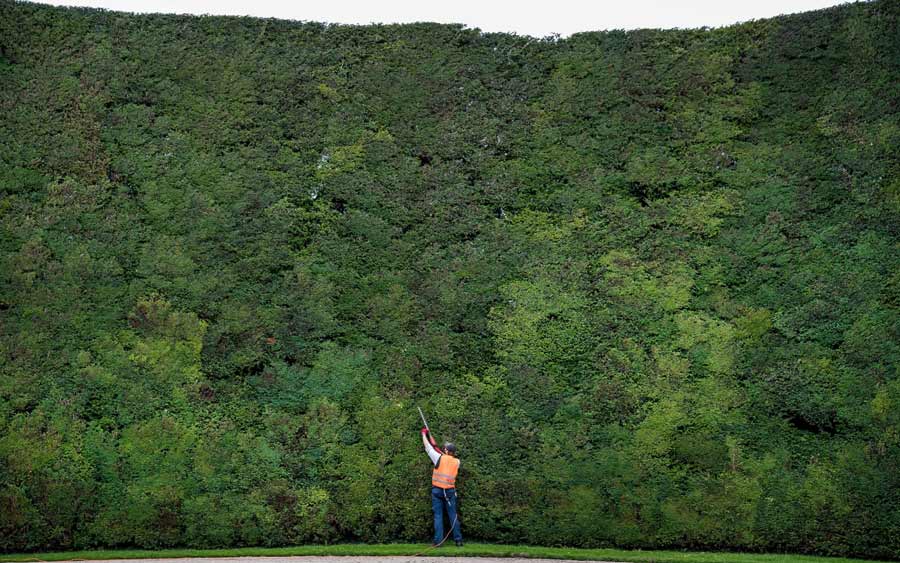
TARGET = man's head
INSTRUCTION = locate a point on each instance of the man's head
(450, 448)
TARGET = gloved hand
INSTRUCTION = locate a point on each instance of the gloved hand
(430, 437)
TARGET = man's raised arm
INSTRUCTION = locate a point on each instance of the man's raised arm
(430, 446)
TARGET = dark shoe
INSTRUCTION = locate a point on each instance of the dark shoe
(458, 543)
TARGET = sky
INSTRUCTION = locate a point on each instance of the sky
(525, 17)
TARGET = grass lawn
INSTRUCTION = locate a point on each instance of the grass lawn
(472, 549)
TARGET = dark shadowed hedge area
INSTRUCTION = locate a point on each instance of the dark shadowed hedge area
(647, 281)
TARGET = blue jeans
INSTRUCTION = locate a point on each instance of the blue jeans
(440, 499)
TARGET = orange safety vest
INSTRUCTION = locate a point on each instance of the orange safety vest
(444, 474)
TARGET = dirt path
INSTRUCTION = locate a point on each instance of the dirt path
(344, 559)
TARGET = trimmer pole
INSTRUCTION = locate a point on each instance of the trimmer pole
(423, 420)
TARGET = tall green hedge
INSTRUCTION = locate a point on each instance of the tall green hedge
(647, 281)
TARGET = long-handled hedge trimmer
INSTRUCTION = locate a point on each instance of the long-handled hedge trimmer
(425, 422)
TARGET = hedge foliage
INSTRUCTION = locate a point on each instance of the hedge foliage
(647, 281)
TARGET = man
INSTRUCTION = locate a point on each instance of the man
(443, 487)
